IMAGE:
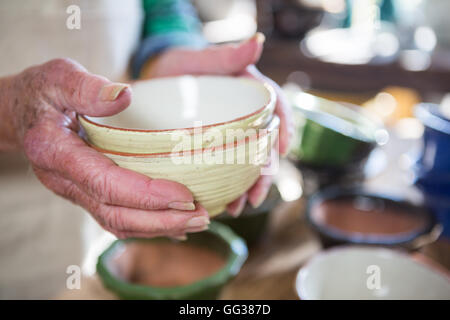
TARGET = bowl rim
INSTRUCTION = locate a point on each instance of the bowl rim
(263, 85)
(238, 253)
(399, 239)
(303, 270)
(273, 125)
(429, 115)
(338, 124)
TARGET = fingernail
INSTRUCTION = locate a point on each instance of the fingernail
(239, 209)
(260, 37)
(111, 91)
(197, 222)
(180, 205)
(180, 238)
(197, 229)
(259, 200)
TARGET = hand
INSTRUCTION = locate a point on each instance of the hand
(38, 114)
(230, 59)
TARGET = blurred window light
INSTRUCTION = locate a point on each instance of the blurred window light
(333, 6)
(381, 136)
(409, 128)
(236, 27)
(289, 181)
(300, 78)
(384, 104)
(425, 38)
(415, 60)
(386, 44)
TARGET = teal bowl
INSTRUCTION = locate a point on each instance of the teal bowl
(252, 223)
(332, 135)
(218, 238)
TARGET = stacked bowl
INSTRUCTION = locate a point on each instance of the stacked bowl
(210, 133)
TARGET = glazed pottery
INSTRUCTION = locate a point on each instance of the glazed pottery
(332, 135)
(165, 111)
(358, 273)
(432, 168)
(218, 238)
(367, 203)
(215, 176)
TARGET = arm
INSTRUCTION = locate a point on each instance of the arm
(167, 24)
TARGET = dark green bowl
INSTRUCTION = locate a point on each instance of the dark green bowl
(332, 135)
(252, 222)
(218, 237)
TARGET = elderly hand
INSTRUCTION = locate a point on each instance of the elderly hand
(38, 114)
(230, 59)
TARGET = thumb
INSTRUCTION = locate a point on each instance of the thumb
(70, 86)
(220, 59)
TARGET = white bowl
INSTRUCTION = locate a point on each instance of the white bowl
(164, 110)
(344, 273)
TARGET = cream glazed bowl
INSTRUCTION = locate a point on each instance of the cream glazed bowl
(357, 273)
(215, 175)
(166, 110)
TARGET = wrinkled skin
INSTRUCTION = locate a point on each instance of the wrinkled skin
(38, 116)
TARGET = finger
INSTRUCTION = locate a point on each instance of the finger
(71, 87)
(282, 109)
(59, 149)
(235, 208)
(126, 221)
(154, 222)
(220, 59)
(258, 192)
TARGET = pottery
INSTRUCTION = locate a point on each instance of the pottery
(165, 111)
(332, 135)
(351, 273)
(432, 168)
(218, 238)
(215, 176)
(357, 216)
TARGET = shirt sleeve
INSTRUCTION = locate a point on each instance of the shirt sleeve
(167, 23)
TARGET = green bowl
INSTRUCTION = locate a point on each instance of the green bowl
(252, 222)
(218, 237)
(330, 134)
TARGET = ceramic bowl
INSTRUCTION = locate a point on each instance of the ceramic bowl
(357, 273)
(216, 176)
(417, 224)
(332, 135)
(252, 222)
(165, 111)
(218, 237)
(432, 168)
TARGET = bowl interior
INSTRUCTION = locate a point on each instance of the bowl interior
(350, 273)
(183, 102)
(119, 271)
(355, 216)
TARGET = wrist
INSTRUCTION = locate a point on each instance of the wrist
(150, 66)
